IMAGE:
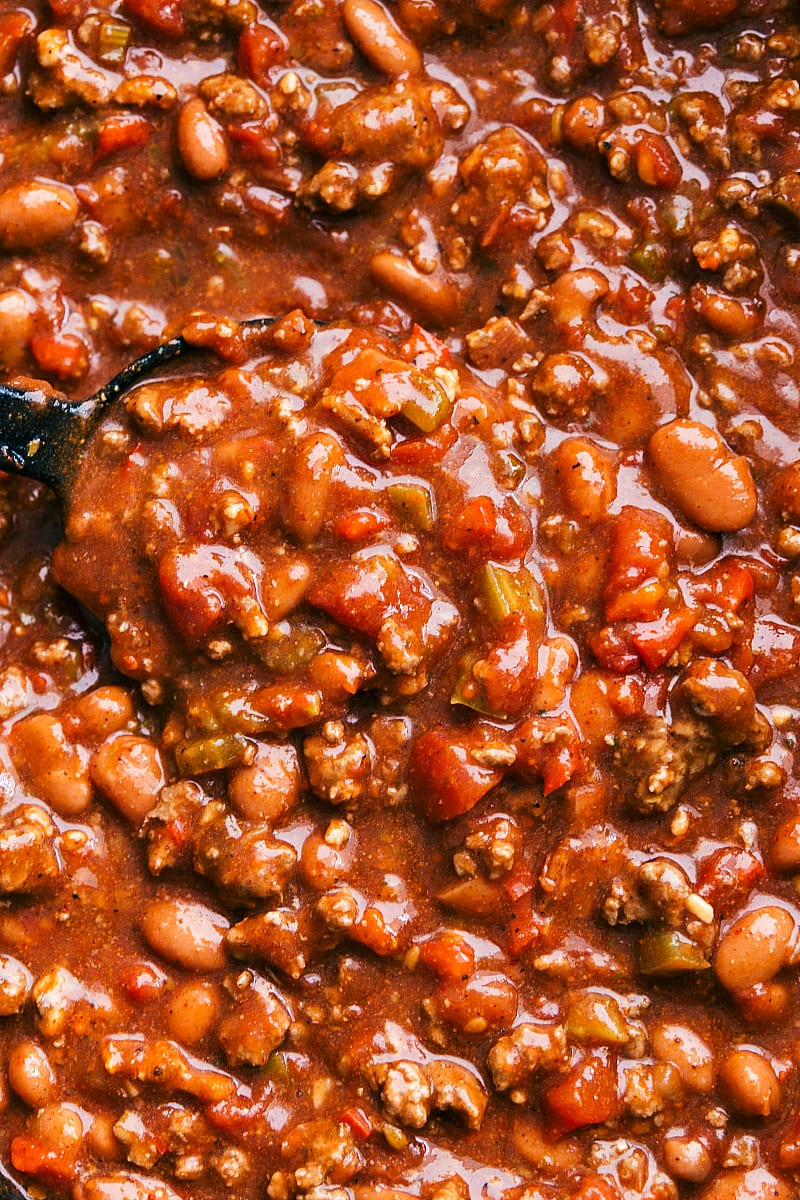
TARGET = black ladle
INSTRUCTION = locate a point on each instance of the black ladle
(44, 435)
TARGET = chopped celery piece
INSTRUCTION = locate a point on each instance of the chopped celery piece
(469, 691)
(292, 652)
(665, 952)
(413, 504)
(510, 468)
(593, 1017)
(650, 260)
(112, 41)
(277, 1070)
(428, 406)
(210, 754)
(505, 592)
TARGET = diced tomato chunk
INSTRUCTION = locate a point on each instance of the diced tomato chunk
(727, 877)
(487, 528)
(424, 349)
(161, 16)
(56, 1165)
(260, 48)
(61, 354)
(357, 1122)
(447, 780)
(587, 1094)
(639, 564)
(448, 955)
(658, 641)
(548, 748)
(360, 524)
(121, 132)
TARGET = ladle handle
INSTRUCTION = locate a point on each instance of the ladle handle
(41, 434)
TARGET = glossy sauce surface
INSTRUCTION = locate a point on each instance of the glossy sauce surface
(428, 821)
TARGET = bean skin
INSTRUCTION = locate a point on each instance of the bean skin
(786, 844)
(741, 1184)
(309, 477)
(193, 1011)
(754, 948)
(687, 1158)
(381, 42)
(268, 788)
(186, 932)
(587, 479)
(34, 213)
(128, 771)
(58, 770)
(430, 296)
(749, 1084)
(17, 310)
(688, 1052)
(705, 481)
(201, 142)
(30, 1074)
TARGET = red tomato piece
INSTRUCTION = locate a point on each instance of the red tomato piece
(726, 878)
(33, 1157)
(122, 131)
(424, 349)
(357, 1122)
(161, 16)
(448, 955)
(657, 642)
(446, 778)
(641, 552)
(61, 354)
(587, 1094)
(260, 48)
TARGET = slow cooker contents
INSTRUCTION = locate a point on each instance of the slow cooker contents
(417, 811)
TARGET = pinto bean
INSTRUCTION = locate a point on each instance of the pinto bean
(749, 1083)
(185, 932)
(193, 1011)
(486, 1000)
(729, 316)
(59, 1128)
(433, 297)
(30, 1074)
(754, 948)
(688, 1052)
(786, 493)
(326, 861)
(34, 213)
(741, 1184)
(201, 141)
(128, 771)
(57, 770)
(582, 122)
(687, 1158)
(268, 788)
(705, 481)
(587, 478)
(17, 310)
(103, 711)
(786, 844)
(309, 475)
(123, 1185)
(379, 39)
(573, 297)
